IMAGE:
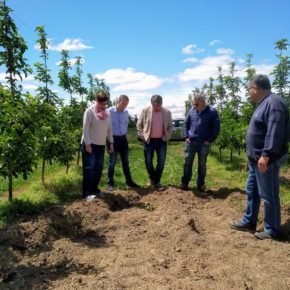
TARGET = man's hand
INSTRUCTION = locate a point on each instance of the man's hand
(262, 164)
(89, 148)
(206, 143)
(111, 148)
(187, 141)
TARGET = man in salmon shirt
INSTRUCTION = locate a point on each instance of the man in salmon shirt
(154, 128)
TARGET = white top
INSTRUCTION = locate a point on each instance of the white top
(95, 130)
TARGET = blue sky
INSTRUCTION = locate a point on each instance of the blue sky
(150, 47)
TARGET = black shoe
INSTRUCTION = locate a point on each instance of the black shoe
(184, 186)
(239, 226)
(132, 184)
(202, 188)
(157, 185)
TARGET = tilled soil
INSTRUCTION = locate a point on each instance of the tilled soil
(144, 239)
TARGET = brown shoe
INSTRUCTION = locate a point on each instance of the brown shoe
(184, 186)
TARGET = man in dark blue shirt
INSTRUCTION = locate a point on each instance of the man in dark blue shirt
(267, 138)
(201, 128)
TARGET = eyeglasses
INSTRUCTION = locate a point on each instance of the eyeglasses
(195, 105)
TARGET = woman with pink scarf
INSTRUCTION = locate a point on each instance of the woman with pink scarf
(97, 130)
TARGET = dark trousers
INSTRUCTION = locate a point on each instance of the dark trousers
(121, 147)
(264, 186)
(92, 168)
(160, 147)
(202, 152)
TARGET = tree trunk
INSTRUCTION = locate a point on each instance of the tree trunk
(78, 159)
(10, 178)
(231, 157)
(67, 167)
(42, 170)
(220, 151)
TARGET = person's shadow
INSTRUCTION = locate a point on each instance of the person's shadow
(285, 231)
(221, 193)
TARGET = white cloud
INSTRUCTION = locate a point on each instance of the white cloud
(265, 69)
(187, 49)
(130, 80)
(206, 68)
(191, 59)
(214, 42)
(192, 48)
(227, 51)
(2, 77)
(67, 44)
(29, 87)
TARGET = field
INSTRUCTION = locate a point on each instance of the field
(146, 238)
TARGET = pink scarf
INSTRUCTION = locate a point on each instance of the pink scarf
(101, 114)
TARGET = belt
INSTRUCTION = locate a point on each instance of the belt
(119, 136)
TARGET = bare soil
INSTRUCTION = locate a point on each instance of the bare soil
(162, 238)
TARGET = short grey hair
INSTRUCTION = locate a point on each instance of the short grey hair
(198, 97)
(122, 98)
(261, 81)
(156, 99)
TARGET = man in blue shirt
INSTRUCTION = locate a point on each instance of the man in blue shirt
(201, 128)
(120, 120)
(267, 138)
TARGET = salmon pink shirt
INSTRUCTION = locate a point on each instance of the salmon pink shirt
(156, 125)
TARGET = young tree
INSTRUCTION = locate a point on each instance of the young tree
(221, 97)
(17, 139)
(65, 80)
(42, 71)
(96, 85)
(17, 142)
(77, 79)
(248, 107)
(211, 93)
(12, 55)
(232, 85)
(47, 129)
(281, 71)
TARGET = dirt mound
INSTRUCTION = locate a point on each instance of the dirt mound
(148, 239)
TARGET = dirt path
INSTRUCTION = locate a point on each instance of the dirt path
(164, 239)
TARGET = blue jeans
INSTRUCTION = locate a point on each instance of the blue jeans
(264, 186)
(202, 151)
(121, 147)
(158, 145)
(92, 168)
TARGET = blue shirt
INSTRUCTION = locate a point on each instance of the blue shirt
(202, 126)
(267, 133)
(120, 121)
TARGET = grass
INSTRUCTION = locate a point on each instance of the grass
(35, 176)
(31, 196)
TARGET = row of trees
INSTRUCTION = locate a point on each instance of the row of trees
(40, 126)
(235, 112)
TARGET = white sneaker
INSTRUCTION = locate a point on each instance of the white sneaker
(110, 187)
(90, 197)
